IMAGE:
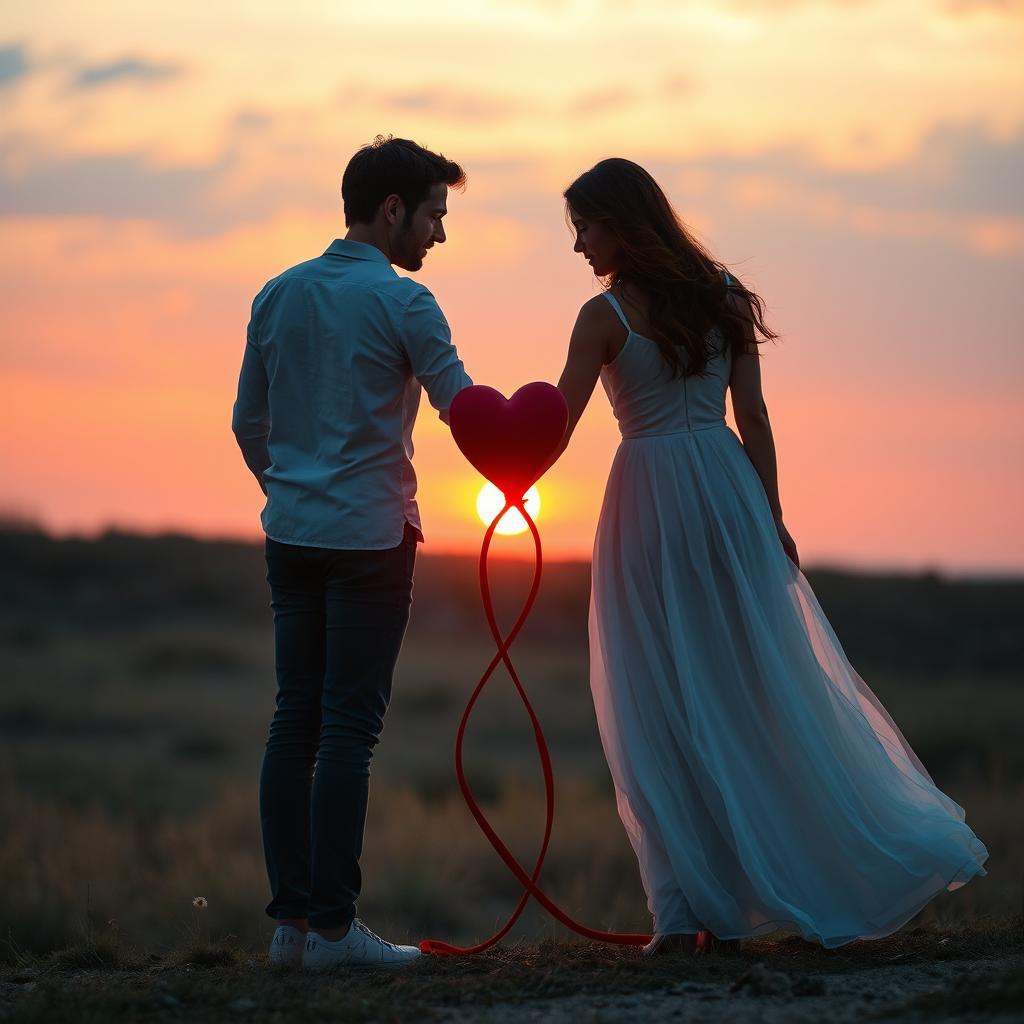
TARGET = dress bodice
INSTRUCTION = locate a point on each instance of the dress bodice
(647, 400)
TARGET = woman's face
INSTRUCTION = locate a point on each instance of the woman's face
(596, 243)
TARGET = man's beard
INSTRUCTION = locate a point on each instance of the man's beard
(407, 251)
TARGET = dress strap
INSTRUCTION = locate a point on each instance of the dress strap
(728, 278)
(618, 309)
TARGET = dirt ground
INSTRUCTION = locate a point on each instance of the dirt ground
(933, 993)
(551, 984)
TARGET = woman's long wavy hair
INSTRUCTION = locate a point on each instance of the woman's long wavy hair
(684, 285)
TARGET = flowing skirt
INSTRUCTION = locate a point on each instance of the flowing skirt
(761, 783)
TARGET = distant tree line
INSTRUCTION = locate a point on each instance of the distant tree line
(920, 622)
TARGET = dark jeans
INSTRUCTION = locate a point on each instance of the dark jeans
(339, 621)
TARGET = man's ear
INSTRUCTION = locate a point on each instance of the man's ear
(394, 209)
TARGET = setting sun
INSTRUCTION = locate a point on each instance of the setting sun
(490, 501)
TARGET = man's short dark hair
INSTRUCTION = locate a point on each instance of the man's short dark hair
(390, 166)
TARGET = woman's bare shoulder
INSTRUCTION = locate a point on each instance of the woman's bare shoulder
(597, 331)
(596, 317)
(597, 307)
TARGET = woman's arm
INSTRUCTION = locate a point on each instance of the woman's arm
(755, 430)
(588, 349)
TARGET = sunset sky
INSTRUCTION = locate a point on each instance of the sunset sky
(858, 162)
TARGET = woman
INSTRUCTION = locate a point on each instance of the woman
(762, 785)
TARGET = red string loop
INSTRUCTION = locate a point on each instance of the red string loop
(438, 947)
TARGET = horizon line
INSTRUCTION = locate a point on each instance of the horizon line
(14, 526)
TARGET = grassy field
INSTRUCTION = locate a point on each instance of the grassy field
(138, 687)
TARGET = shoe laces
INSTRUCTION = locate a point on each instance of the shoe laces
(373, 935)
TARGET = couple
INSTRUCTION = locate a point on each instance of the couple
(760, 782)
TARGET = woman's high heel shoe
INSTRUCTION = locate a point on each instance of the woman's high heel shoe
(708, 943)
(671, 945)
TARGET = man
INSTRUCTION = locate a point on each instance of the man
(336, 353)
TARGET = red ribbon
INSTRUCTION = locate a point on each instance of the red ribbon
(438, 947)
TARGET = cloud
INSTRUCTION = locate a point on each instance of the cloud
(14, 64)
(962, 185)
(973, 172)
(678, 84)
(601, 101)
(456, 105)
(777, 6)
(250, 119)
(994, 236)
(958, 168)
(246, 181)
(129, 69)
(117, 185)
(1012, 7)
(469, 106)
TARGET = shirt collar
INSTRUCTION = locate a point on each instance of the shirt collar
(356, 251)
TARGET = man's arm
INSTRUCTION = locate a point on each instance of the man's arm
(250, 418)
(434, 359)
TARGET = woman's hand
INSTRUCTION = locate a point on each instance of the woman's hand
(788, 544)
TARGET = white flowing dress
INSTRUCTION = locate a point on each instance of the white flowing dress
(761, 783)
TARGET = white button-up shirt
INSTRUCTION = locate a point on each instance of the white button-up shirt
(335, 354)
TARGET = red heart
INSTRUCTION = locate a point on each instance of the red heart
(509, 440)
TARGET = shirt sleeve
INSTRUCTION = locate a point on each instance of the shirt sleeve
(250, 417)
(434, 359)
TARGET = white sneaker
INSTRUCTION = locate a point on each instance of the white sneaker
(358, 948)
(286, 946)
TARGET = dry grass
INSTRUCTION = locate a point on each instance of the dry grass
(429, 871)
